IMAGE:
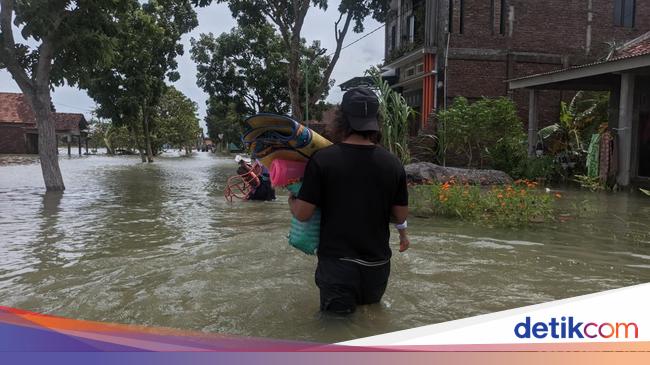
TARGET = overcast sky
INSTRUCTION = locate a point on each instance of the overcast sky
(217, 19)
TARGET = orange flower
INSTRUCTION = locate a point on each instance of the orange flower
(500, 196)
(558, 195)
(503, 204)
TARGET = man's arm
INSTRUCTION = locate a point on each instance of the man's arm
(300, 209)
(398, 214)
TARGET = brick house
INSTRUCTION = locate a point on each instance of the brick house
(441, 49)
(18, 131)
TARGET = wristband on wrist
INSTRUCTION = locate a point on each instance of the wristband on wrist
(402, 226)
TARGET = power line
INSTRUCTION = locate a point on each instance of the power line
(359, 39)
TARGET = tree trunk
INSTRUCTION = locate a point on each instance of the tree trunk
(47, 150)
(138, 144)
(147, 137)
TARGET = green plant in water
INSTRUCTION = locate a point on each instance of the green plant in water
(513, 205)
(395, 115)
(588, 182)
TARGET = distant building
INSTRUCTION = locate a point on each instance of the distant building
(18, 130)
(440, 49)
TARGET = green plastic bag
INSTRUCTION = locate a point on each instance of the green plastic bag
(304, 236)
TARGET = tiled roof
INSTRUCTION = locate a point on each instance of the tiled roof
(15, 109)
(635, 48)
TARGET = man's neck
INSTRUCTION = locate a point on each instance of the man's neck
(357, 139)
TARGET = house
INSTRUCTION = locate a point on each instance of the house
(440, 49)
(18, 130)
(626, 75)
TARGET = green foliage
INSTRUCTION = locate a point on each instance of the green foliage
(175, 121)
(148, 37)
(486, 132)
(288, 18)
(395, 115)
(505, 206)
(244, 67)
(535, 167)
(644, 191)
(589, 182)
(569, 138)
(224, 119)
(113, 138)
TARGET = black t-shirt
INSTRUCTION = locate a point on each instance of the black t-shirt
(355, 186)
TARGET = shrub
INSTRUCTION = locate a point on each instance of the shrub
(506, 206)
(487, 133)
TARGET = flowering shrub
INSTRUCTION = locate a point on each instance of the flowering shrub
(510, 205)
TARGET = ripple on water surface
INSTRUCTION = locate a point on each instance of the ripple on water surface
(156, 244)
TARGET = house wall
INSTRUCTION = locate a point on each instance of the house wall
(539, 36)
(12, 139)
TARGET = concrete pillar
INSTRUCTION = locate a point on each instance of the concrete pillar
(625, 115)
(533, 121)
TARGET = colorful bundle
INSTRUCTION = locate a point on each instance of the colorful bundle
(284, 146)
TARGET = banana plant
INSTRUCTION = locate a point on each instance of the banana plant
(395, 116)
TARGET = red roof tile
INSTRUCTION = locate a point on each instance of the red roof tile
(15, 109)
(636, 47)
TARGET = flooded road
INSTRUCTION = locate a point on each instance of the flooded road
(158, 245)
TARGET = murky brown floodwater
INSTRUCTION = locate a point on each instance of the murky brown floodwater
(158, 245)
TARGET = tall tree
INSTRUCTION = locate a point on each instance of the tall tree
(71, 38)
(130, 87)
(245, 67)
(175, 121)
(288, 16)
(223, 120)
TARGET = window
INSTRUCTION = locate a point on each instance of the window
(624, 13)
(419, 68)
(410, 23)
(410, 71)
(460, 6)
(502, 17)
(393, 35)
(461, 21)
(451, 17)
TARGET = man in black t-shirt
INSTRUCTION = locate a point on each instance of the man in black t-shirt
(360, 188)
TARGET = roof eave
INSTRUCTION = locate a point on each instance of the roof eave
(614, 66)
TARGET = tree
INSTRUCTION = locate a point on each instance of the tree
(130, 87)
(224, 120)
(288, 16)
(72, 38)
(175, 121)
(244, 67)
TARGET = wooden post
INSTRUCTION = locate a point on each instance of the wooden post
(86, 143)
(69, 139)
(533, 122)
(79, 143)
(624, 130)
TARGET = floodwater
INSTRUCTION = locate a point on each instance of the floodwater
(156, 244)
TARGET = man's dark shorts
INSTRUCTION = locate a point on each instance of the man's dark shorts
(344, 285)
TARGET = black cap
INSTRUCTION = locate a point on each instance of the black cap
(360, 106)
